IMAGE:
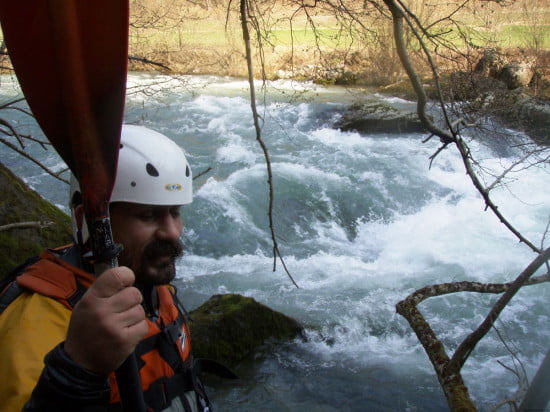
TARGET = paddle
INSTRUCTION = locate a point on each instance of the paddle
(70, 57)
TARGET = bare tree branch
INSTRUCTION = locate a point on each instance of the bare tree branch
(422, 98)
(518, 370)
(151, 62)
(466, 156)
(246, 37)
(448, 369)
(446, 137)
(202, 173)
(468, 345)
(32, 159)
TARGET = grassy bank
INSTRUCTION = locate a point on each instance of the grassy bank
(208, 40)
(351, 46)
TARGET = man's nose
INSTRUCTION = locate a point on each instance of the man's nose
(170, 227)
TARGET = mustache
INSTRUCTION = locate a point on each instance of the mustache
(158, 248)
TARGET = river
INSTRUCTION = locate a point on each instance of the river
(362, 221)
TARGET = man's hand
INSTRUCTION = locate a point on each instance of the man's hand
(107, 323)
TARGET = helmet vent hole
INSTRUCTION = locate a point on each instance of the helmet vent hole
(187, 171)
(133, 184)
(151, 170)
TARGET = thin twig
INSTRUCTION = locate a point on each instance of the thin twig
(202, 173)
(32, 159)
(13, 132)
(465, 154)
(150, 62)
(256, 117)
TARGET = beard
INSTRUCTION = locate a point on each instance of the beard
(157, 263)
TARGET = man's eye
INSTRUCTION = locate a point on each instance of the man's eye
(146, 214)
(175, 212)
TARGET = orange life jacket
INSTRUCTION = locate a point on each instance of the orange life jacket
(164, 357)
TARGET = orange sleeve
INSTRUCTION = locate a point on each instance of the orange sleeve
(30, 327)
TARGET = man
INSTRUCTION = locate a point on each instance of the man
(68, 356)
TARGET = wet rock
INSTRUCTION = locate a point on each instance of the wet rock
(533, 116)
(320, 74)
(517, 74)
(515, 110)
(376, 117)
(228, 328)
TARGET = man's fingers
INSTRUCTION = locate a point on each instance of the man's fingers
(126, 299)
(131, 316)
(112, 281)
(137, 331)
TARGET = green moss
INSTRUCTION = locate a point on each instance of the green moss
(229, 327)
(21, 204)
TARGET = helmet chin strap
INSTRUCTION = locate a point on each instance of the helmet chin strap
(78, 239)
(78, 214)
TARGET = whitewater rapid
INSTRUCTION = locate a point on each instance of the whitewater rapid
(362, 221)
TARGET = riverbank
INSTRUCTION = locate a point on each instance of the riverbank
(327, 45)
(496, 78)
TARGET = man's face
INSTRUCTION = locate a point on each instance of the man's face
(150, 236)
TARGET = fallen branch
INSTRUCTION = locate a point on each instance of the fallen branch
(25, 225)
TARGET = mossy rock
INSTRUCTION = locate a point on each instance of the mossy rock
(228, 328)
(20, 204)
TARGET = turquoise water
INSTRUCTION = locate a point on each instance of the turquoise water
(362, 221)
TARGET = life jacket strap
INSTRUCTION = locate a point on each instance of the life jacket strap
(10, 293)
(77, 295)
(9, 288)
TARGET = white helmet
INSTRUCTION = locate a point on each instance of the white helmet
(152, 170)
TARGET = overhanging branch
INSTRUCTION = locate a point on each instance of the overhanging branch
(258, 129)
(448, 369)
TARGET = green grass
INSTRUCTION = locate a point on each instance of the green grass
(525, 36)
(214, 35)
(325, 36)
